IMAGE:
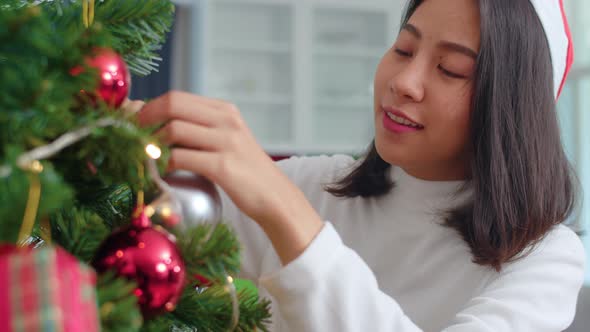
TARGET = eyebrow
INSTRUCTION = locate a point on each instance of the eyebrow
(443, 44)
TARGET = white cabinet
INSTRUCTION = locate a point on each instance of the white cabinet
(301, 71)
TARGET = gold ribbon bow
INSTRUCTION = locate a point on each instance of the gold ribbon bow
(34, 169)
(87, 12)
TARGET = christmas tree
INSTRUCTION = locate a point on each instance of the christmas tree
(90, 236)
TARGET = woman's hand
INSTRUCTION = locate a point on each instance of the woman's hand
(209, 137)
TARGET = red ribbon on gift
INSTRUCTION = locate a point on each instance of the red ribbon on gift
(46, 289)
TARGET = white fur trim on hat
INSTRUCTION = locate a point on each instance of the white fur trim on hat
(552, 16)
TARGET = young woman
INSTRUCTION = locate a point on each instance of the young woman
(452, 219)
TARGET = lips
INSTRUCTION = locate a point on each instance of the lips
(403, 121)
(401, 118)
(397, 122)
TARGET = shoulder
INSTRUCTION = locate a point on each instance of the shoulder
(554, 265)
(560, 250)
(537, 292)
(316, 169)
(560, 244)
(564, 238)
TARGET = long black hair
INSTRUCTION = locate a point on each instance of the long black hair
(521, 180)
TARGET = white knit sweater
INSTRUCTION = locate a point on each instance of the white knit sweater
(387, 264)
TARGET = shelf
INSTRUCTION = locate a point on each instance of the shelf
(344, 103)
(258, 47)
(269, 123)
(346, 126)
(235, 74)
(257, 99)
(329, 149)
(301, 72)
(349, 28)
(349, 51)
(184, 2)
(249, 22)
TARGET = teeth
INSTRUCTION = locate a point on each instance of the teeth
(401, 120)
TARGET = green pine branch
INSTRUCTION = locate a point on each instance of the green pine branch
(14, 193)
(110, 155)
(214, 253)
(211, 310)
(79, 231)
(210, 251)
(139, 27)
(117, 305)
(87, 189)
(10, 4)
(114, 204)
(37, 101)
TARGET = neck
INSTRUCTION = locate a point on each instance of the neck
(439, 172)
(431, 195)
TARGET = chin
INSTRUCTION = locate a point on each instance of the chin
(389, 154)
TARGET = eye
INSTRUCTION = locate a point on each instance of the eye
(449, 74)
(403, 53)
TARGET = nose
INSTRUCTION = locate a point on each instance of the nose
(408, 83)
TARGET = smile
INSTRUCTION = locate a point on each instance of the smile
(403, 121)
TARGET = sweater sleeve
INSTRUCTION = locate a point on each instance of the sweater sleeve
(253, 241)
(535, 294)
(330, 288)
(255, 245)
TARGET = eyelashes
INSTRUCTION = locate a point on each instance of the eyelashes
(446, 72)
(402, 53)
(449, 73)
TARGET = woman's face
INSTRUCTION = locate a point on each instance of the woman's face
(423, 89)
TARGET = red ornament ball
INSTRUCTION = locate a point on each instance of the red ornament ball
(25, 247)
(9, 249)
(148, 256)
(202, 281)
(114, 77)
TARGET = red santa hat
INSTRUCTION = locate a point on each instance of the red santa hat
(552, 16)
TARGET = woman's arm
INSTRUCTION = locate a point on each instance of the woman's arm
(537, 293)
(330, 288)
(319, 287)
(212, 139)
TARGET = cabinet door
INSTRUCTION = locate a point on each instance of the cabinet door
(250, 64)
(347, 44)
(301, 71)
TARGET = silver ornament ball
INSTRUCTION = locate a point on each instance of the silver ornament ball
(199, 199)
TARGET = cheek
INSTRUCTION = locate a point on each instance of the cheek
(460, 113)
(457, 105)
(453, 120)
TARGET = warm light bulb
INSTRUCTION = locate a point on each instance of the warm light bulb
(166, 212)
(153, 151)
(149, 210)
(36, 166)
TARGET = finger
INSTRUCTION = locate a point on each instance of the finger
(189, 135)
(181, 106)
(201, 162)
(213, 102)
(132, 106)
(126, 101)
